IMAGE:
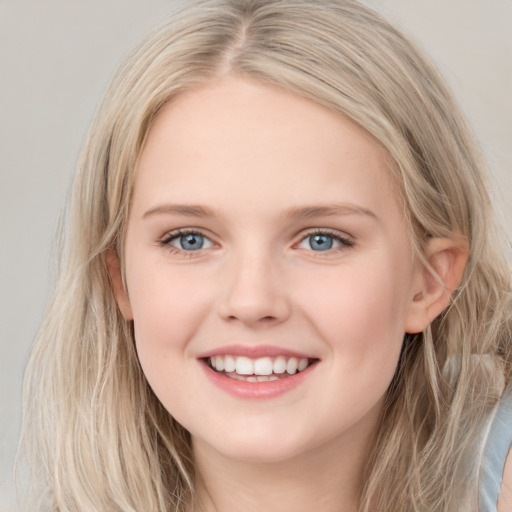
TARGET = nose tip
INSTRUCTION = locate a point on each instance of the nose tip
(255, 296)
(252, 315)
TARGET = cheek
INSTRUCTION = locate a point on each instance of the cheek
(360, 312)
(167, 308)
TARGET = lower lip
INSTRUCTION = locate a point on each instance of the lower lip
(257, 390)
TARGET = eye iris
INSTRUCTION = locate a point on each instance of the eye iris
(191, 242)
(320, 242)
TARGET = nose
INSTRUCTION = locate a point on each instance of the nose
(255, 294)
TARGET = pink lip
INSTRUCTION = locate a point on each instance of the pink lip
(257, 390)
(253, 351)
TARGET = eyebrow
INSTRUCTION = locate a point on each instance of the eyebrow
(307, 212)
(188, 210)
(298, 212)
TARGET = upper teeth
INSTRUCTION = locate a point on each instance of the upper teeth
(261, 366)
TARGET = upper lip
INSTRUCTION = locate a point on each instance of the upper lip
(253, 351)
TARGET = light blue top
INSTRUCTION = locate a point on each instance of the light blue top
(495, 453)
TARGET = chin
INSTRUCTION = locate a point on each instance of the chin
(257, 454)
(259, 447)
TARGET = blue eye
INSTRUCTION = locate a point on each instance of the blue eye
(324, 241)
(191, 242)
(188, 241)
(320, 242)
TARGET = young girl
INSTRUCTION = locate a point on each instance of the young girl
(281, 284)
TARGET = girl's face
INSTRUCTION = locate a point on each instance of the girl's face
(269, 271)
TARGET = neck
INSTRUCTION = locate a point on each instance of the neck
(326, 477)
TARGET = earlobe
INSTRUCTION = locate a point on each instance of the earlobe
(118, 288)
(436, 281)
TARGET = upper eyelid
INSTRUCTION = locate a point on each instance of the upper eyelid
(175, 233)
(325, 231)
(340, 235)
(303, 234)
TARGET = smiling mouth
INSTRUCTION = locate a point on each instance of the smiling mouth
(263, 369)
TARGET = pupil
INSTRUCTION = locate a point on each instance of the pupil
(191, 242)
(321, 242)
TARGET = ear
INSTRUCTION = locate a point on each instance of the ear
(118, 288)
(435, 282)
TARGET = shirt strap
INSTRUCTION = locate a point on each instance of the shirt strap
(495, 453)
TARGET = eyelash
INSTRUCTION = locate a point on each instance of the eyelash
(173, 235)
(345, 242)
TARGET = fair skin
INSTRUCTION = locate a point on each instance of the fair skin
(293, 247)
(505, 499)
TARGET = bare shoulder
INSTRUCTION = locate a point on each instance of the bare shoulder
(505, 499)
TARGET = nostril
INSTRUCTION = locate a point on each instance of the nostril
(253, 319)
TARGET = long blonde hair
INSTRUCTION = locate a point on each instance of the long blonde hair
(96, 436)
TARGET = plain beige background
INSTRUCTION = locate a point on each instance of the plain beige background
(56, 58)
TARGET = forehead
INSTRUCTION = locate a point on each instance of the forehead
(238, 139)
